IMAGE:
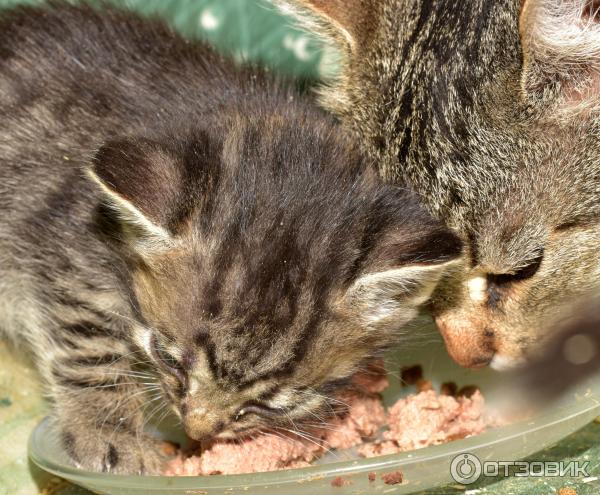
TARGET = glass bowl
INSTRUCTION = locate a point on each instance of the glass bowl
(422, 469)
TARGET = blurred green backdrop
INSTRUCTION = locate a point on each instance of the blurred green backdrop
(248, 29)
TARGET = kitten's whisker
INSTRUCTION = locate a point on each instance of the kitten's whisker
(323, 426)
(312, 392)
(100, 387)
(312, 439)
(144, 404)
(119, 405)
(148, 418)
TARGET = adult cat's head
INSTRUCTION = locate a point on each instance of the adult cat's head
(268, 262)
(490, 110)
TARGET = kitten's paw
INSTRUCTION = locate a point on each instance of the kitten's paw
(109, 452)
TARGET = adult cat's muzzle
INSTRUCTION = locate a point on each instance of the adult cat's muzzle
(468, 345)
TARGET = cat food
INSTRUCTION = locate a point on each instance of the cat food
(449, 388)
(267, 452)
(276, 450)
(410, 375)
(393, 478)
(468, 391)
(429, 419)
(416, 421)
(340, 481)
(365, 417)
(424, 385)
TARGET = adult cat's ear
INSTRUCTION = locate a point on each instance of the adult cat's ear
(561, 50)
(402, 277)
(144, 183)
(349, 23)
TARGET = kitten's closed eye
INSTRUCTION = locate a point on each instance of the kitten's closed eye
(169, 362)
(260, 409)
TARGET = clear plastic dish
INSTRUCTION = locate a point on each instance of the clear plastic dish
(422, 469)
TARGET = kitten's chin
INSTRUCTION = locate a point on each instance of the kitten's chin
(226, 435)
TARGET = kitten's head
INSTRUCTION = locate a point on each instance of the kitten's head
(268, 263)
(490, 111)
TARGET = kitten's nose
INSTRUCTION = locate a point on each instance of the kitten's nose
(469, 345)
(202, 424)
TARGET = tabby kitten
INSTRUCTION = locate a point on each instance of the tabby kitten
(489, 109)
(160, 207)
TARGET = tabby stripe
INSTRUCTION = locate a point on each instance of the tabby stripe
(86, 329)
(270, 393)
(103, 360)
(203, 340)
(371, 233)
(68, 442)
(68, 300)
(109, 384)
(111, 459)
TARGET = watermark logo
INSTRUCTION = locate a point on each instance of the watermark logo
(468, 468)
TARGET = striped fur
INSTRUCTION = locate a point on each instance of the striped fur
(489, 109)
(180, 234)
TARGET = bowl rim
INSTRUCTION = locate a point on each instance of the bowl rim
(586, 404)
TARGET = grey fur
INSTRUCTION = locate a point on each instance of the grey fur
(490, 113)
(168, 218)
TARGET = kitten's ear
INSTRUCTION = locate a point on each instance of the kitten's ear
(561, 50)
(392, 297)
(141, 181)
(402, 273)
(348, 23)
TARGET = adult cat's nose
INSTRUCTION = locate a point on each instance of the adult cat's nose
(469, 345)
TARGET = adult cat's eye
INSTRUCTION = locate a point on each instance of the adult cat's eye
(259, 409)
(523, 273)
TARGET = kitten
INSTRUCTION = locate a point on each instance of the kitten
(488, 108)
(161, 208)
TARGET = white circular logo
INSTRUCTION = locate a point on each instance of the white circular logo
(465, 469)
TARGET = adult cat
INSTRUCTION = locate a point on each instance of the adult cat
(489, 108)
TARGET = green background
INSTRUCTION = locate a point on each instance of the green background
(249, 30)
